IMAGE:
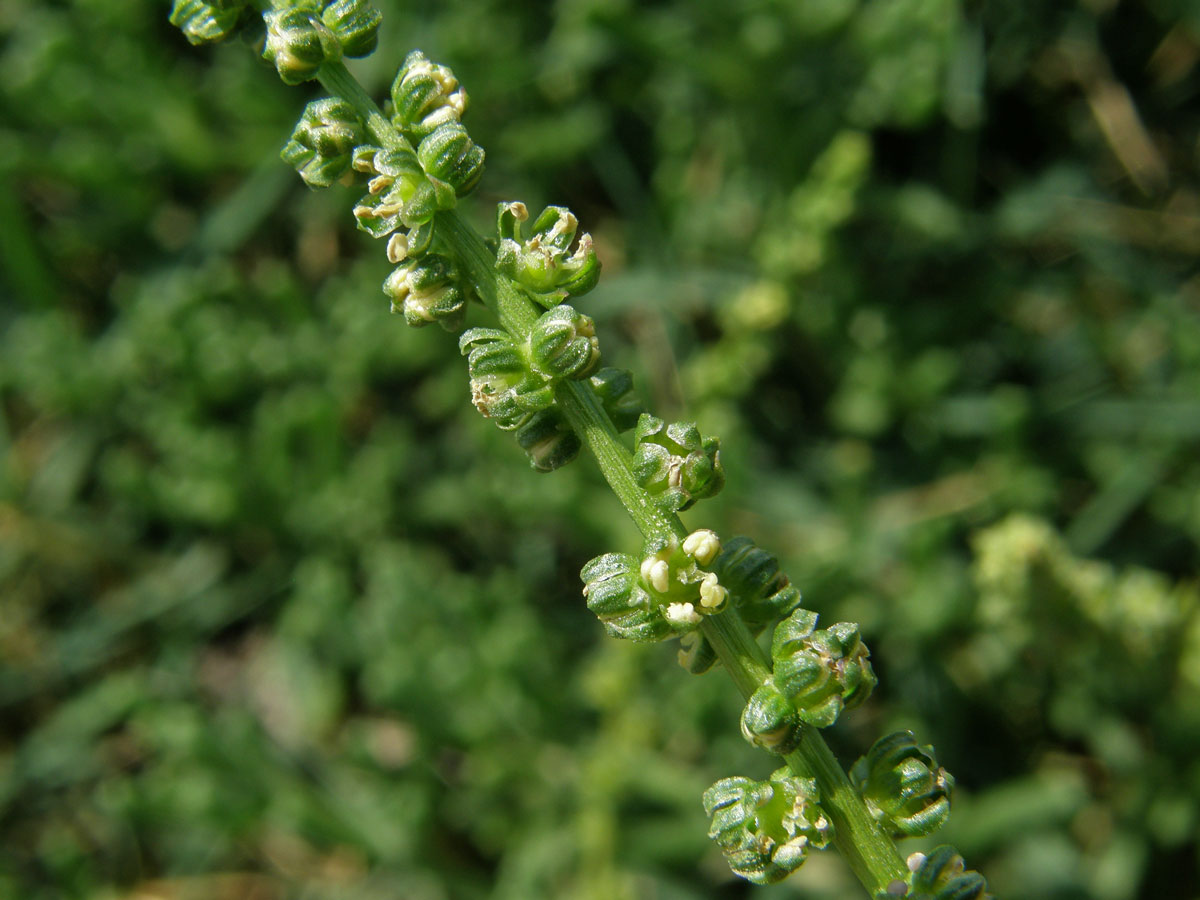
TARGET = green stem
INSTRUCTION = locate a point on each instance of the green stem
(868, 850)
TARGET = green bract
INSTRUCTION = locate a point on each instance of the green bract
(757, 588)
(426, 290)
(203, 23)
(563, 344)
(765, 828)
(822, 672)
(543, 263)
(450, 156)
(548, 439)
(942, 875)
(674, 464)
(905, 789)
(425, 96)
(323, 141)
(503, 387)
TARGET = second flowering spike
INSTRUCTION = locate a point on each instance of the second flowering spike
(904, 788)
(563, 344)
(675, 464)
(323, 142)
(426, 290)
(821, 672)
(766, 828)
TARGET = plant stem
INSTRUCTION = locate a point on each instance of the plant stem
(870, 852)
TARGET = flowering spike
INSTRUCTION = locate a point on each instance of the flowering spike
(323, 142)
(766, 828)
(822, 672)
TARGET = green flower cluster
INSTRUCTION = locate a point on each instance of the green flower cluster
(766, 828)
(904, 788)
(941, 875)
(305, 34)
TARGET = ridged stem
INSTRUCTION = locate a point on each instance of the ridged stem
(869, 851)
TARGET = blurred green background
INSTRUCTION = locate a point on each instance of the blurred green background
(281, 617)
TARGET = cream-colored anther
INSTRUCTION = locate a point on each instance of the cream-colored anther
(702, 546)
(657, 573)
(712, 595)
(681, 614)
(397, 247)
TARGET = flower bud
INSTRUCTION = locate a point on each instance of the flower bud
(425, 96)
(204, 23)
(821, 672)
(549, 440)
(765, 828)
(323, 142)
(674, 464)
(903, 786)
(942, 875)
(614, 387)
(563, 344)
(543, 263)
(449, 155)
(356, 25)
(770, 721)
(298, 43)
(426, 290)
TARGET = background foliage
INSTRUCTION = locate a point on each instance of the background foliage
(279, 617)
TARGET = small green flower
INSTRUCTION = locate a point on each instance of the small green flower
(399, 194)
(942, 875)
(205, 23)
(673, 463)
(904, 788)
(543, 263)
(426, 290)
(614, 592)
(298, 43)
(821, 672)
(450, 156)
(563, 344)
(323, 142)
(766, 828)
(503, 386)
(614, 387)
(425, 96)
(549, 440)
(356, 25)
(770, 721)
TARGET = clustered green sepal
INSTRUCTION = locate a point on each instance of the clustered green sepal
(398, 193)
(675, 464)
(665, 593)
(549, 440)
(770, 721)
(425, 96)
(322, 145)
(504, 386)
(542, 264)
(427, 290)
(206, 22)
(821, 672)
(563, 344)
(940, 875)
(305, 34)
(614, 388)
(904, 788)
(758, 589)
(766, 828)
